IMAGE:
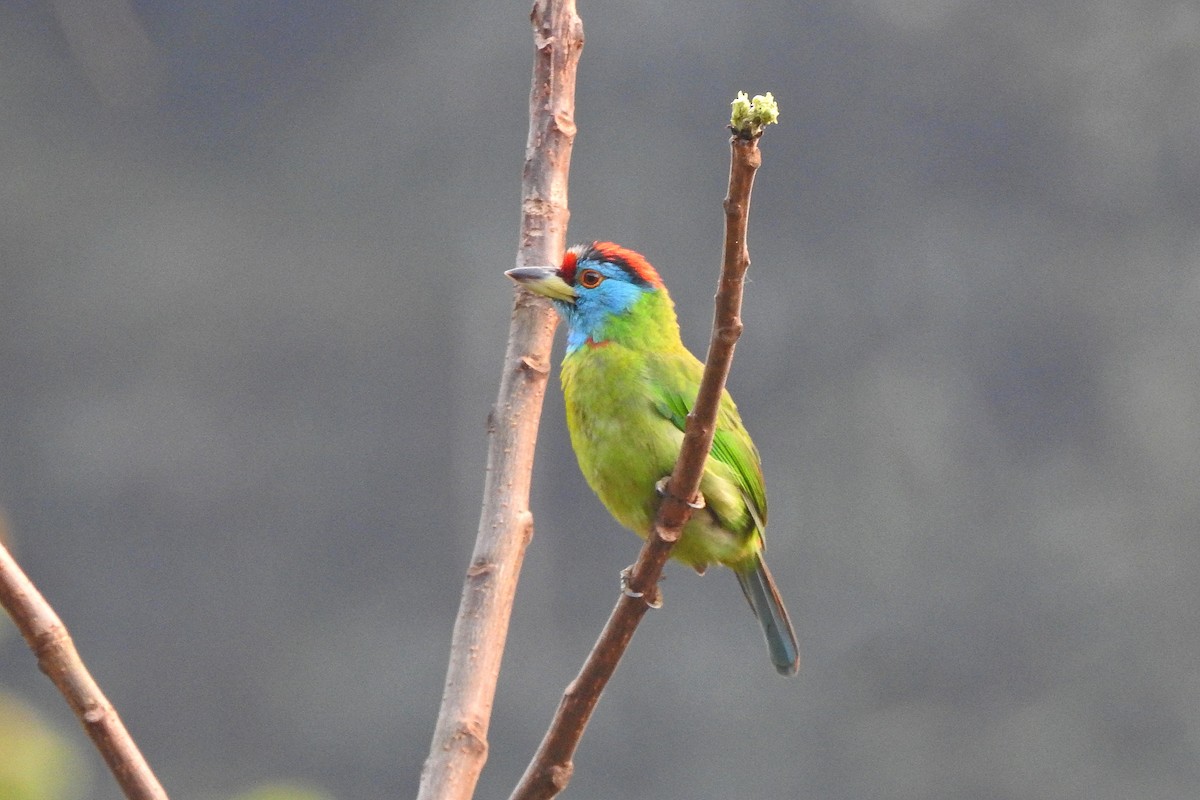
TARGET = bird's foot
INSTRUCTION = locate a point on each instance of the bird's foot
(661, 488)
(628, 591)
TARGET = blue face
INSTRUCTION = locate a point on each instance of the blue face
(602, 291)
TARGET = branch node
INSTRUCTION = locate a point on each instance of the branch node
(50, 643)
(535, 365)
(480, 569)
(669, 534)
(565, 124)
(468, 738)
(732, 331)
(694, 425)
(559, 775)
(652, 596)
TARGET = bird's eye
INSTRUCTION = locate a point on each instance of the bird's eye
(590, 279)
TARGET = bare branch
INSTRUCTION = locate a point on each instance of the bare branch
(49, 640)
(550, 770)
(459, 747)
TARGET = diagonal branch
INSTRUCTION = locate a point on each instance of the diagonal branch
(550, 770)
(459, 747)
(48, 638)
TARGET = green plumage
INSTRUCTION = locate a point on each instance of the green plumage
(625, 412)
(628, 384)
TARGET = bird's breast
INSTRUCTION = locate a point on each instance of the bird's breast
(623, 445)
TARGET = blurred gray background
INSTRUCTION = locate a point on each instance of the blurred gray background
(252, 314)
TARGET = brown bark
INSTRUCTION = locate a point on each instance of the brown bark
(459, 747)
(56, 655)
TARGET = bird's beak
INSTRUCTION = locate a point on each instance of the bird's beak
(544, 281)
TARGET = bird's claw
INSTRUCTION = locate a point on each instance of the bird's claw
(628, 591)
(661, 488)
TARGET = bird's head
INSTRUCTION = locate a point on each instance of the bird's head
(605, 293)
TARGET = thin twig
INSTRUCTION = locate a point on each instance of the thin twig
(459, 747)
(49, 640)
(550, 770)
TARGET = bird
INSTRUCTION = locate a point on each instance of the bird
(628, 385)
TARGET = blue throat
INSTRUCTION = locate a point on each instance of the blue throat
(577, 331)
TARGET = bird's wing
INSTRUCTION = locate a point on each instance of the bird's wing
(677, 382)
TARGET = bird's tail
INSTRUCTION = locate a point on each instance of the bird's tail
(759, 588)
